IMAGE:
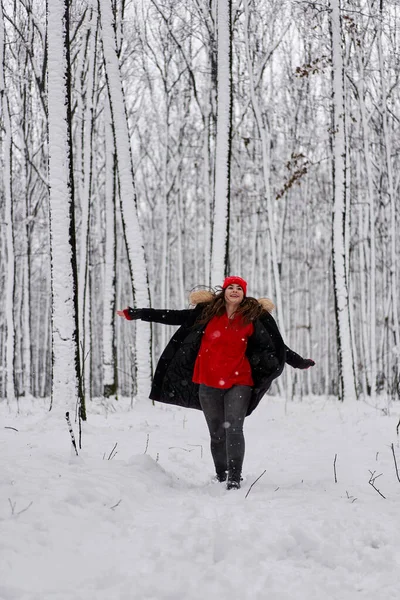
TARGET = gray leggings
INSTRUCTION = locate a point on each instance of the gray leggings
(225, 411)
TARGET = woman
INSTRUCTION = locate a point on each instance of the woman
(221, 360)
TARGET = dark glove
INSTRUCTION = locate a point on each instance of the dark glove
(307, 363)
(131, 313)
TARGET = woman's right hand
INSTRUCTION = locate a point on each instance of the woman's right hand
(130, 314)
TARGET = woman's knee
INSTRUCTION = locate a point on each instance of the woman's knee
(217, 431)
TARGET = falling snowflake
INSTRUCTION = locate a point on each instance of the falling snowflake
(216, 334)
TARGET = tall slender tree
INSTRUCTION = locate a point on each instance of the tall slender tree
(347, 388)
(221, 213)
(66, 381)
(126, 189)
(7, 166)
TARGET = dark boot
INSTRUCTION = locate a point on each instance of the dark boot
(234, 479)
(233, 485)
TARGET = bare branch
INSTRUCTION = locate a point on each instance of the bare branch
(13, 505)
(395, 463)
(254, 482)
(372, 480)
(112, 453)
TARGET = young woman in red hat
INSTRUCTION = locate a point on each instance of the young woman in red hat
(221, 360)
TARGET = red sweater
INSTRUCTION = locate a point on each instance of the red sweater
(221, 361)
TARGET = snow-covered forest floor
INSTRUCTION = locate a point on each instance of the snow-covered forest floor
(147, 524)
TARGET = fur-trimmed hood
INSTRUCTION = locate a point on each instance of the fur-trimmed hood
(204, 296)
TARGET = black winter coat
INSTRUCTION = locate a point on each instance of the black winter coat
(172, 382)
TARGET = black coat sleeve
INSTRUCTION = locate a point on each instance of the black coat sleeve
(168, 317)
(295, 360)
(291, 358)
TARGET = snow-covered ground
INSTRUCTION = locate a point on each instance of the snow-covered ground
(147, 524)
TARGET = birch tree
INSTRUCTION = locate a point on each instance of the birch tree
(220, 228)
(393, 203)
(126, 188)
(110, 373)
(347, 389)
(7, 163)
(66, 381)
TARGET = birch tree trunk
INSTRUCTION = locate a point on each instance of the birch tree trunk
(87, 59)
(220, 231)
(133, 234)
(266, 172)
(268, 199)
(346, 388)
(66, 380)
(110, 372)
(371, 367)
(7, 176)
(393, 197)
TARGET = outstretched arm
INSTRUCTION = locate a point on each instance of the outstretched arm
(292, 358)
(298, 362)
(151, 315)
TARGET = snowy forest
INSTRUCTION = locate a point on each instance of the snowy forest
(152, 146)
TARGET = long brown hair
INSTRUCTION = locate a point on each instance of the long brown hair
(249, 309)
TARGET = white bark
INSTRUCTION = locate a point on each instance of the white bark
(164, 279)
(207, 199)
(109, 354)
(127, 192)
(372, 357)
(10, 277)
(219, 254)
(387, 140)
(64, 382)
(180, 249)
(85, 196)
(347, 390)
(266, 173)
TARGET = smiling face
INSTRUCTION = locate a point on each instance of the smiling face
(234, 294)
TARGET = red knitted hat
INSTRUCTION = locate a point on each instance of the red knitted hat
(237, 280)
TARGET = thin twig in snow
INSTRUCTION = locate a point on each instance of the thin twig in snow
(350, 497)
(198, 446)
(13, 428)
(147, 443)
(372, 480)
(112, 453)
(334, 468)
(13, 504)
(115, 505)
(254, 482)
(179, 448)
(395, 463)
